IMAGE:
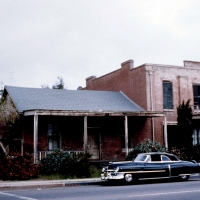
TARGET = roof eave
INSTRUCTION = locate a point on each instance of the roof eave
(93, 113)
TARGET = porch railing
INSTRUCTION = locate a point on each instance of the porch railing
(43, 154)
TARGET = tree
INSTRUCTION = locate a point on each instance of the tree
(80, 88)
(45, 86)
(1, 89)
(184, 118)
(10, 122)
(1, 93)
(59, 84)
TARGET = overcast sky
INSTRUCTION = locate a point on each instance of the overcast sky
(74, 39)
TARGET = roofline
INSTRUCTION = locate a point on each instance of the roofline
(4, 94)
(131, 101)
(92, 113)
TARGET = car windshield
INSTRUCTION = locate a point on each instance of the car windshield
(140, 158)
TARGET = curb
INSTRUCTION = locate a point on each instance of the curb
(40, 185)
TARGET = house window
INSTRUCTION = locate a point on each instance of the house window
(167, 95)
(196, 92)
(53, 137)
(196, 136)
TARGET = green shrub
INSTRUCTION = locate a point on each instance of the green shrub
(18, 168)
(191, 153)
(95, 172)
(56, 162)
(80, 167)
(145, 147)
(59, 162)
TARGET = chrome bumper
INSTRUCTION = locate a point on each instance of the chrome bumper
(112, 176)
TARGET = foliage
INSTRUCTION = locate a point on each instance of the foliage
(10, 121)
(191, 153)
(184, 112)
(56, 162)
(80, 88)
(95, 172)
(80, 167)
(60, 162)
(18, 168)
(7, 111)
(145, 147)
(59, 84)
(55, 176)
(45, 86)
(1, 93)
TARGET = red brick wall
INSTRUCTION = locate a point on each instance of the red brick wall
(127, 79)
(135, 83)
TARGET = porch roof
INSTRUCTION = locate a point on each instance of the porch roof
(73, 102)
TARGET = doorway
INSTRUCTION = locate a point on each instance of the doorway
(94, 143)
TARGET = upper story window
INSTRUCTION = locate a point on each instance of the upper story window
(196, 92)
(167, 95)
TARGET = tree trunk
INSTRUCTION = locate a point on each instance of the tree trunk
(4, 150)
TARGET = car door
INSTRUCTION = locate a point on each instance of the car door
(155, 168)
(178, 167)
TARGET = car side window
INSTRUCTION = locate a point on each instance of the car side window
(148, 159)
(165, 158)
(155, 158)
(173, 158)
(140, 158)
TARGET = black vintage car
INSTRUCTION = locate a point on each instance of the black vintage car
(151, 166)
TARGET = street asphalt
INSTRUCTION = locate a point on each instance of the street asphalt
(39, 184)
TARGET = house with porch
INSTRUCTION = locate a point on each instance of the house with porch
(105, 124)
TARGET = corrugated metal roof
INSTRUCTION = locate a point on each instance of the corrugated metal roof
(26, 99)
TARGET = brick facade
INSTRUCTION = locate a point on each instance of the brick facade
(144, 85)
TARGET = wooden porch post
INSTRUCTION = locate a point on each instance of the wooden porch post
(35, 138)
(85, 134)
(165, 132)
(126, 135)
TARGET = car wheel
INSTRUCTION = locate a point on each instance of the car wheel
(128, 178)
(184, 177)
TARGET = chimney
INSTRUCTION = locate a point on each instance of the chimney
(89, 80)
(128, 64)
(193, 64)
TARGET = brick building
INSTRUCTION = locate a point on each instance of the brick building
(156, 87)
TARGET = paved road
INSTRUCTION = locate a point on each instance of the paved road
(160, 190)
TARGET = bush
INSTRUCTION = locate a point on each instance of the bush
(145, 147)
(80, 167)
(56, 162)
(18, 168)
(191, 153)
(60, 162)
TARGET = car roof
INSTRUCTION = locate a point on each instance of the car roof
(157, 153)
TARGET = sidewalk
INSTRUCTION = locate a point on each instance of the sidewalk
(39, 184)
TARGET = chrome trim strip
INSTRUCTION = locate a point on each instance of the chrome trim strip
(184, 174)
(154, 178)
(169, 170)
(142, 171)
